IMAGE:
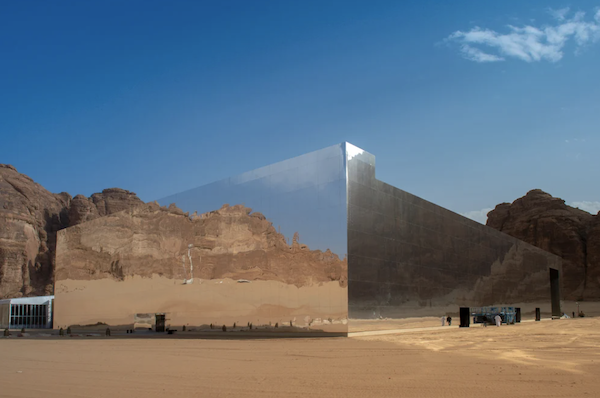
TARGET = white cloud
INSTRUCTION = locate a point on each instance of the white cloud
(478, 215)
(590, 207)
(529, 43)
(560, 14)
(475, 54)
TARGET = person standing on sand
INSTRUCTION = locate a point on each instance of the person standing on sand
(449, 320)
(498, 320)
(443, 321)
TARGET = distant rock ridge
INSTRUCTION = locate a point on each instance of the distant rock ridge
(547, 222)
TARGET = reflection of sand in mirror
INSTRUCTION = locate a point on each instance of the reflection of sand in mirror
(414, 317)
(434, 293)
(363, 325)
(321, 306)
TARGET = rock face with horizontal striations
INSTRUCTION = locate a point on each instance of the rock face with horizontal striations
(547, 222)
(82, 210)
(30, 217)
(231, 242)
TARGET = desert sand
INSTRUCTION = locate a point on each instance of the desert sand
(559, 358)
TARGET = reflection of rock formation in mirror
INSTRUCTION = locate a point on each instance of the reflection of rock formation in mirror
(243, 271)
(505, 282)
(410, 258)
(232, 241)
(547, 222)
(496, 279)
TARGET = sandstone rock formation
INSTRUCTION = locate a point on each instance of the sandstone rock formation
(30, 216)
(29, 219)
(231, 242)
(107, 202)
(548, 223)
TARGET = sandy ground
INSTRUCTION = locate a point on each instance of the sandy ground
(558, 358)
(362, 325)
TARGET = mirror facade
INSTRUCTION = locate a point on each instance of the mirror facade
(409, 258)
(300, 245)
(265, 249)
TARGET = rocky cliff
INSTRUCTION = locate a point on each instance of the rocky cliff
(30, 217)
(109, 201)
(231, 242)
(548, 223)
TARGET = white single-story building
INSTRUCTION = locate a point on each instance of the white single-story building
(26, 312)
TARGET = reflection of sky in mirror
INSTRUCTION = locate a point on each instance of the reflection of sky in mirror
(356, 153)
(305, 194)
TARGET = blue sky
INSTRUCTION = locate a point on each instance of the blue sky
(466, 104)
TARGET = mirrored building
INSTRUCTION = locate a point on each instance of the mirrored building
(265, 249)
(411, 259)
(314, 243)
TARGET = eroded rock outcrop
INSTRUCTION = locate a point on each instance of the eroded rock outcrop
(30, 216)
(231, 242)
(29, 219)
(547, 222)
(109, 201)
